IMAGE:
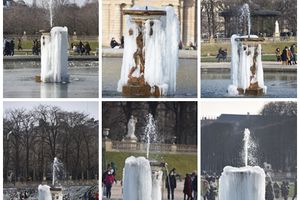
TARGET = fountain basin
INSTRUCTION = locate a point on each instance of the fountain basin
(247, 183)
(281, 82)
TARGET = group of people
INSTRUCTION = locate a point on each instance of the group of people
(209, 187)
(90, 195)
(36, 47)
(275, 191)
(81, 48)
(9, 47)
(287, 56)
(108, 179)
(222, 54)
(190, 185)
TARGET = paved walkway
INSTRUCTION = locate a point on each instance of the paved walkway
(268, 66)
(117, 192)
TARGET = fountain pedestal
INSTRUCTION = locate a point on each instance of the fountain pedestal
(56, 193)
(140, 90)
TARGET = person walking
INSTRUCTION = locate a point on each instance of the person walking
(87, 48)
(284, 190)
(269, 191)
(276, 190)
(187, 189)
(171, 183)
(12, 47)
(278, 55)
(109, 180)
(20, 44)
(194, 185)
(284, 56)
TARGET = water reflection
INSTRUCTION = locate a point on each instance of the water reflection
(54, 90)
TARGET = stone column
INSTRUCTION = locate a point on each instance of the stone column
(108, 145)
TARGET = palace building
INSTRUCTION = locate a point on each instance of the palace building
(113, 21)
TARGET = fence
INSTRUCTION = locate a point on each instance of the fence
(110, 145)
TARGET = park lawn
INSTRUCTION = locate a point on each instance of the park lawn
(184, 163)
(214, 59)
(267, 47)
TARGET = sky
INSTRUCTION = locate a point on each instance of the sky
(79, 2)
(86, 107)
(216, 108)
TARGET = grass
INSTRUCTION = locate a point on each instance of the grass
(211, 49)
(184, 163)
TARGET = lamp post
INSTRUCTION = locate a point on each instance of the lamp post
(106, 145)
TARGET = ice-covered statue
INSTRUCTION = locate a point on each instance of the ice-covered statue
(150, 58)
(131, 128)
(247, 73)
(54, 55)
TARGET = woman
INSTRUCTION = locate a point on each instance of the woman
(187, 189)
(109, 180)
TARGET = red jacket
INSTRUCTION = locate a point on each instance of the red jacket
(109, 179)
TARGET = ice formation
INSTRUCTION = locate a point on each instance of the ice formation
(242, 57)
(54, 55)
(160, 50)
(137, 182)
(44, 192)
(247, 183)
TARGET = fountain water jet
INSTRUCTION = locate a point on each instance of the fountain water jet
(245, 183)
(150, 132)
(143, 178)
(46, 192)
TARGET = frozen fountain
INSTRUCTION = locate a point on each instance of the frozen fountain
(150, 58)
(55, 192)
(246, 182)
(54, 54)
(246, 63)
(143, 178)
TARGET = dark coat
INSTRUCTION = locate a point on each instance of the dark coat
(269, 192)
(187, 189)
(172, 179)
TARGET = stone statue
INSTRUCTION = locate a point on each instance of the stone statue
(131, 128)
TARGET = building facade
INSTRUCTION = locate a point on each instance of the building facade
(113, 22)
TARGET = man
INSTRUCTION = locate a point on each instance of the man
(114, 44)
(171, 183)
